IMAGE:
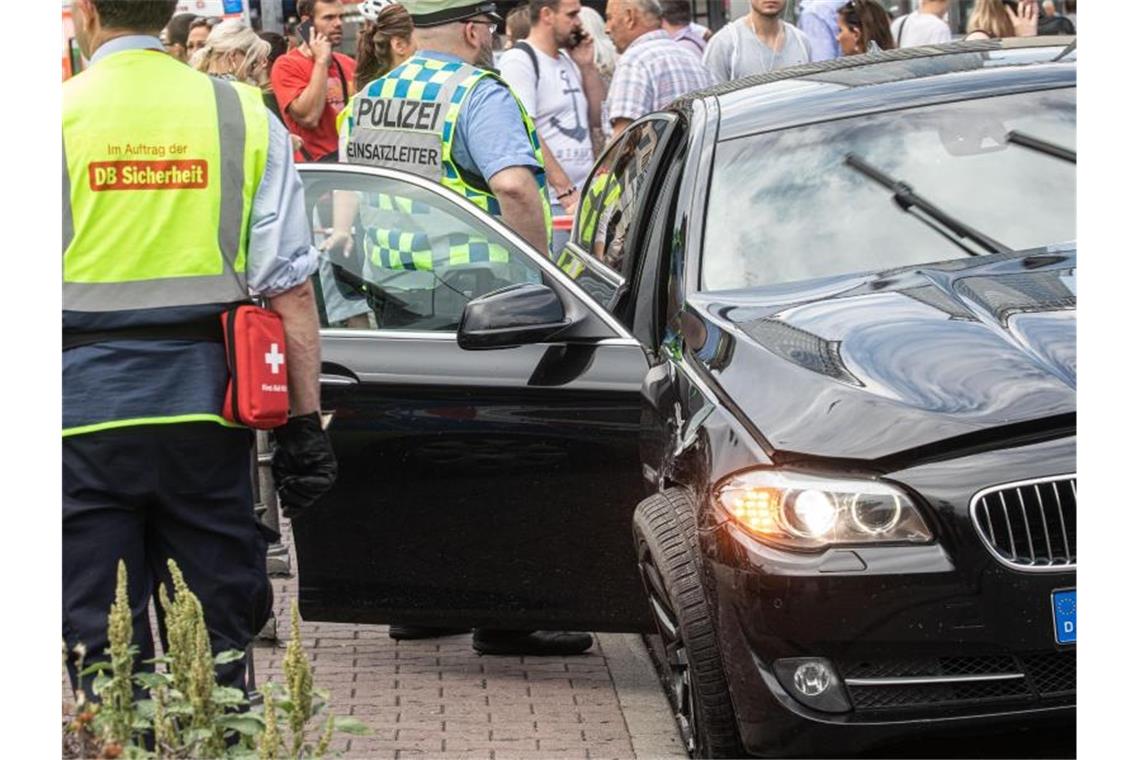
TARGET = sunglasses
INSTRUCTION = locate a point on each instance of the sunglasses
(492, 26)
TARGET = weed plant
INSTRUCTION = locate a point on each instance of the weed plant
(183, 712)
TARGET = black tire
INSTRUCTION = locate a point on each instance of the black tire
(664, 531)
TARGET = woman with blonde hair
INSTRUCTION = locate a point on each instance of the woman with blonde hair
(383, 42)
(234, 51)
(605, 59)
(994, 19)
(605, 54)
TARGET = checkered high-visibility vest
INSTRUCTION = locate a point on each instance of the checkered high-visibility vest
(407, 120)
(395, 239)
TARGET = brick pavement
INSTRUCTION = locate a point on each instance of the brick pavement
(438, 698)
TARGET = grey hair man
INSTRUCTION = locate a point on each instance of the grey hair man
(653, 70)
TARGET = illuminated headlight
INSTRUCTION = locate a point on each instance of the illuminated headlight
(801, 511)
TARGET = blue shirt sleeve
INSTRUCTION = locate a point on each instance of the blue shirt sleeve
(281, 254)
(490, 135)
(824, 46)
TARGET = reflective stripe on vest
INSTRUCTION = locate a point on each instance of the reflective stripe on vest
(158, 202)
(400, 120)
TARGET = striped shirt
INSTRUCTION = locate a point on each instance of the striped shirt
(652, 73)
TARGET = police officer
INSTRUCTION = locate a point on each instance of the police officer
(424, 117)
(180, 200)
(446, 116)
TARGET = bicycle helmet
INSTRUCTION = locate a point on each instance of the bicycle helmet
(370, 9)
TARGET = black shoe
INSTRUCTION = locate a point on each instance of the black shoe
(401, 632)
(541, 643)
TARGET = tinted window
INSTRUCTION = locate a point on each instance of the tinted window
(613, 194)
(399, 257)
(785, 206)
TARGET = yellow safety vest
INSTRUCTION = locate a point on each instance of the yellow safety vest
(161, 165)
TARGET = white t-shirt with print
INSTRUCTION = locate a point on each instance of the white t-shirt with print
(557, 103)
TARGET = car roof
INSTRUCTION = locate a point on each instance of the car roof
(888, 80)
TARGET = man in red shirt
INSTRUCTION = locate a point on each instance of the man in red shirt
(312, 83)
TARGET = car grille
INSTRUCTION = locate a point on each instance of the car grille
(1030, 525)
(961, 681)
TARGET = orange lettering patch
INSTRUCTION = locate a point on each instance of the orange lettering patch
(147, 175)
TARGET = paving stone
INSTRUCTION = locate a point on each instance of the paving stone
(437, 698)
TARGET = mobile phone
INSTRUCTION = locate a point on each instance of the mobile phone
(576, 37)
(305, 31)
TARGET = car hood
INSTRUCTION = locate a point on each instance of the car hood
(871, 365)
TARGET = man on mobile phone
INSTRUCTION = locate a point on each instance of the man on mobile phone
(313, 83)
(553, 73)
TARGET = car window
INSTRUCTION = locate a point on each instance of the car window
(788, 206)
(613, 193)
(397, 256)
(610, 199)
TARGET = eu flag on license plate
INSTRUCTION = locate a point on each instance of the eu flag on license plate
(1065, 616)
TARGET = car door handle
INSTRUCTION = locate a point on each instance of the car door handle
(337, 384)
(339, 381)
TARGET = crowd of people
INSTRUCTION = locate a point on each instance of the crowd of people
(581, 77)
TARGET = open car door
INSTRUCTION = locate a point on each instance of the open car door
(476, 487)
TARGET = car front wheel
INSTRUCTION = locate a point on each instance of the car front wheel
(665, 534)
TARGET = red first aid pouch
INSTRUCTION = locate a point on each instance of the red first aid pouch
(257, 395)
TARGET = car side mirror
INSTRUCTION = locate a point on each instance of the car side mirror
(512, 316)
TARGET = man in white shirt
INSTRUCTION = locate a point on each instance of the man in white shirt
(922, 27)
(562, 91)
(756, 43)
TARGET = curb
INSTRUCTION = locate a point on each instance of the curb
(645, 709)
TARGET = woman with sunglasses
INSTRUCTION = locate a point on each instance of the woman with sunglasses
(1002, 18)
(864, 27)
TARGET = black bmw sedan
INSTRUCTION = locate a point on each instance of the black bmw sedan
(812, 340)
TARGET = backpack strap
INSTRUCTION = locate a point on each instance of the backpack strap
(902, 26)
(526, 48)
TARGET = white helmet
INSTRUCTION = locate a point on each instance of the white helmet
(370, 9)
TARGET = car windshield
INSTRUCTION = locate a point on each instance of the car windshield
(786, 206)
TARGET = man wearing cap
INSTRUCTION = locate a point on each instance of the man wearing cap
(462, 126)
(487, 150)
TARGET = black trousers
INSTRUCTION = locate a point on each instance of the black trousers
(151, 493)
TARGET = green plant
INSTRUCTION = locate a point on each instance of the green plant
(185, 713)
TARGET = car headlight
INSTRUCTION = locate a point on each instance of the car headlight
(800, 511)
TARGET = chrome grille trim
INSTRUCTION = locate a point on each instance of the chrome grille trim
(916, 680)
(1001, 501)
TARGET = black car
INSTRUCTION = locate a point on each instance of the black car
(813, 341)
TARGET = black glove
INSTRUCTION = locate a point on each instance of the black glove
(304, 466)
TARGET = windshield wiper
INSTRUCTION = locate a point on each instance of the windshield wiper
(926, 212)
(1041, 146)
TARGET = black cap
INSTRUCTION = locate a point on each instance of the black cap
(427, 13)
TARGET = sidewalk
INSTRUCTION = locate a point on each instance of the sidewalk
(437, 698)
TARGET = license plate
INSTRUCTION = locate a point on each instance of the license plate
(1065, 616)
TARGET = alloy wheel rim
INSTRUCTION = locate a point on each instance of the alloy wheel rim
(676, 654)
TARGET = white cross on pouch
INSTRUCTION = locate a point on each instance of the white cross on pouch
(274, 359)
